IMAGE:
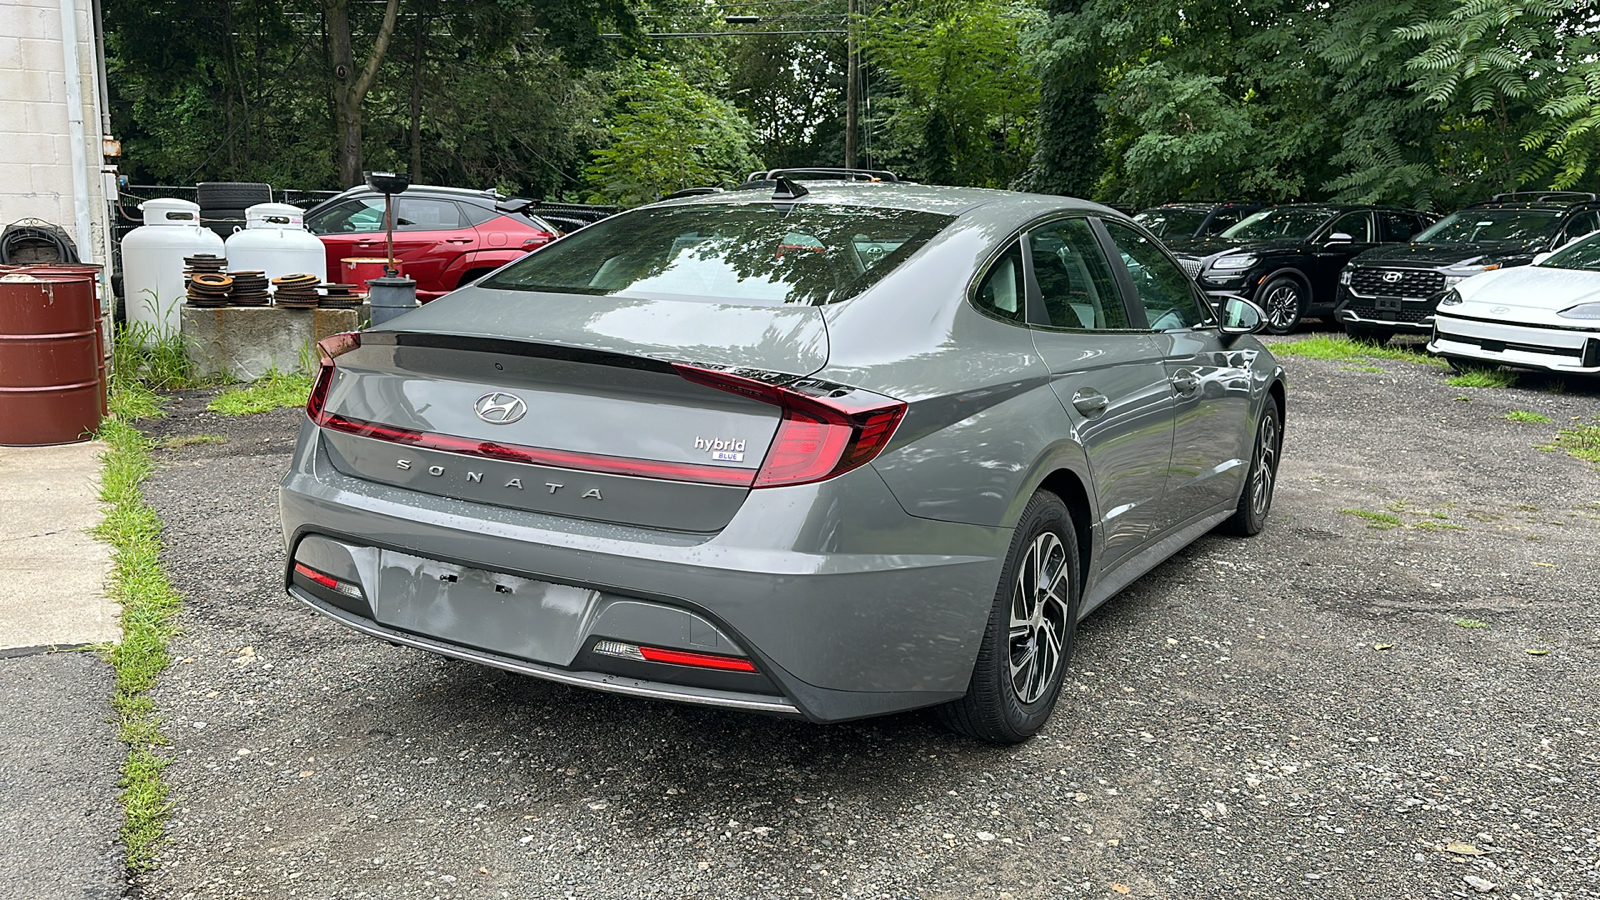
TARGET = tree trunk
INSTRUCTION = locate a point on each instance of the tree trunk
(349, 86)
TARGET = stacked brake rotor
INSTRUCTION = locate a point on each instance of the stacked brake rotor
(210, 289)
(249, 288)
(295, 291)
(340, 296)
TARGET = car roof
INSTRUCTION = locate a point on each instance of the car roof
(1554, 205)
(942, 199)
(487, 198)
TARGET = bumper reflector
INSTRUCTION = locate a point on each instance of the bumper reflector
(673, 657)
(328, 581)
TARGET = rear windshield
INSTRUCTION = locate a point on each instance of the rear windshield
(760, 253)
(1297, 222)
(1495, 226)
(1170, 222)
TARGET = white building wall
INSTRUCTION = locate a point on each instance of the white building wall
(36, 173)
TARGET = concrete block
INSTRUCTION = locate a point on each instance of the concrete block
(243, 343)
(31, 87)
(16, 178)
(43, 56)
(10, 56)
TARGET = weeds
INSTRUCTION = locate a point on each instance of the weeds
(1378, 521)
(1471, 623)
(148, 603)
(275, 390)
(1337, 347)
(1482, 378)
(1581, 441)
(1530, 418)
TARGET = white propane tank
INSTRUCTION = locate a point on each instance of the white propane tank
(152, 262)
(275, 241)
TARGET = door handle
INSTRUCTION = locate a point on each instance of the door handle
(458, 240)
(1090, 402)
(1185, 381)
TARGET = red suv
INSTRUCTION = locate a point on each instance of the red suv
(443, 237)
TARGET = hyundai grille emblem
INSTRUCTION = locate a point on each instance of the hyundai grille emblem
(1392, 277)
(500, 409)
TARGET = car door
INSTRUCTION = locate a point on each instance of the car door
(346, 228)
(1207, 379)
(429, 234)
(1108, 376)
(1328, 257)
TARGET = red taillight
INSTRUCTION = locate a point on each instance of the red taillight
(825, 431)
(674, 657)
(327, 581)
(328, 349)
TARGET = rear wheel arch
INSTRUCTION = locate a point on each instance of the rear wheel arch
(1066, 484)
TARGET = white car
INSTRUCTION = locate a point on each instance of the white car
(1543, 316)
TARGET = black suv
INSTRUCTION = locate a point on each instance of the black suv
(1392, 290)
(1196, 219)
(1287, 258)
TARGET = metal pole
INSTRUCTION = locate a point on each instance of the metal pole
(852, 79)
(389, 267)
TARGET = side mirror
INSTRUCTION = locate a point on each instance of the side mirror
(1241, 316)
(1541, 257)
(1339, 237)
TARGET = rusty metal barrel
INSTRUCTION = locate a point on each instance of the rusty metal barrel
(52, 358)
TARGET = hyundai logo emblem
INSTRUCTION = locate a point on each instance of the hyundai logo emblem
(500, 409)
(1392, 277)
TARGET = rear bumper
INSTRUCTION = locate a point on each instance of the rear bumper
(848, 605)
(1569, 350)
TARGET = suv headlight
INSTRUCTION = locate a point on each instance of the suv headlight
(1241, 261)
(1581, 311)
(1457, 274)
(1451, 297)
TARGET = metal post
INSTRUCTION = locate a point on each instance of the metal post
(389, 268)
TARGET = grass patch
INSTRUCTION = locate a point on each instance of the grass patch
(189, 440)
(1582, 441)
(148, 603)
(1377, 521)
(1530, 418)
(1339, 347)
(275, 390)
(1436, 525)
(1471, 623)
(1482, 378)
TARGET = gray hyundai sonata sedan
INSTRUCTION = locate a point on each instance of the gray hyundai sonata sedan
(827, 451)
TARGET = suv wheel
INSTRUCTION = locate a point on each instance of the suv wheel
(1255, 501)
(1284, 301)
(1022, 661)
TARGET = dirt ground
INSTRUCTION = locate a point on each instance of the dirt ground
(1331, 709)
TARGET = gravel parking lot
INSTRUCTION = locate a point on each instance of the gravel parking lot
(1328, 710)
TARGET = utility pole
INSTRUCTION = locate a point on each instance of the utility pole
(852, 89)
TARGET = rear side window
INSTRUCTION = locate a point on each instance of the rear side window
(757, 253)
(1074, 278)
(1001, 291)
(416, 214)
(1397, 226)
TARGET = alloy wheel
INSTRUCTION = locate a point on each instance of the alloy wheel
(1282, 305)
(1039, 609)
(1266, 471)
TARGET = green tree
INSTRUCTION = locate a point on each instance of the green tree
(667, 135)
(964, 98)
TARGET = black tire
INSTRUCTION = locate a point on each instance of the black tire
(1379, 336)
(1284, 300)
(1462, 366)
(1255, 501)
(231, 194)
(995, 708)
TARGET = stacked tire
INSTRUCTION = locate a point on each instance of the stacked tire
(222, 203)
